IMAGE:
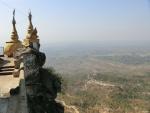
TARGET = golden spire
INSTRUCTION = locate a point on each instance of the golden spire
(12, 45)
(30, 27)
(31, 36)
(14, 34)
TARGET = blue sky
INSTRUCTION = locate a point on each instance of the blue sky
(78, 20)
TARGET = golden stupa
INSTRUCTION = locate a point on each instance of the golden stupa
(31, 36)
(11, 46)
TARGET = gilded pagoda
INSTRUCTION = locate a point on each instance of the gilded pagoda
(31, 38)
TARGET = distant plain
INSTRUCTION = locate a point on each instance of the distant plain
(103, 78)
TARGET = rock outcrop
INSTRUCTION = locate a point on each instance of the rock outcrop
(42, 85)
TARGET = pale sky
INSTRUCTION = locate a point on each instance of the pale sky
(78, 20)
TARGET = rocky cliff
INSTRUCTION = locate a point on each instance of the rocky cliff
(42, 85)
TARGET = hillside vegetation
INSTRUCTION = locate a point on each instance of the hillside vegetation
(105, 83)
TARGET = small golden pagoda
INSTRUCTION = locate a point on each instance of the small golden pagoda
(11, 46)
(31, 36)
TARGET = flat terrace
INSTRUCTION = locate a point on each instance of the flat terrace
(11, 104)
(7, 81)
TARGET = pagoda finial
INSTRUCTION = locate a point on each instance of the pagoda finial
(14, 34)
(30, 28)
(14, 21)
(30, 16)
